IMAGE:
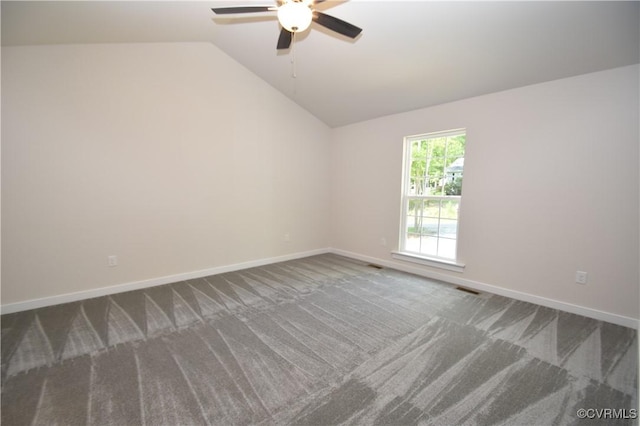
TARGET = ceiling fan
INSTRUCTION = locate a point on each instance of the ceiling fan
(295, 16)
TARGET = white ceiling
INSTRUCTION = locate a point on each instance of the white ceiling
(411, 54)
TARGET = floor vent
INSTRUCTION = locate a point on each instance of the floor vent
(374, 266)
(468, 290)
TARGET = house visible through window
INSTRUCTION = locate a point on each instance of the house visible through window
(433, 173)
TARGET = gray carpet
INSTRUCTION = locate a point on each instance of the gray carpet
(323, 340)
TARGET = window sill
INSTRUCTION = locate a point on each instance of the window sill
(449, 265)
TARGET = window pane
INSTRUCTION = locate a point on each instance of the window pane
(418, 174)
(414, 216)
(454, 164)
(455, 147)
(417, 185)
(412, 243)
(447, 248)
(453, 185)
(439, 183)
(437, 147)
(417, 166)
(448, 228)
(449, 209)
(415, 206)
(410, 223)
(429, 246)
(418, 149)
(415, 225)
(430, 226)
(433, 186)
(435, 166)
(431, 208)
(412, 187)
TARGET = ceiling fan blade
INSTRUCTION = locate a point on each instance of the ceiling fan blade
(284, 41)
(337, 25)
(242, 9)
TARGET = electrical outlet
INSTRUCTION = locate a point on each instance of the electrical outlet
(581, 277)
(383, 241)
(112, 261)
(287, 237)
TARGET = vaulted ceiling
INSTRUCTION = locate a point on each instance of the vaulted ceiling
(411, 54)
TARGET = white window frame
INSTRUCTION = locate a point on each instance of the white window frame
(428, 260)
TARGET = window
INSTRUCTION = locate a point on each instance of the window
(433, 171)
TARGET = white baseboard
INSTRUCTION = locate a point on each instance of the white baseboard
(137, 285)
(476, 285)
(501, 291)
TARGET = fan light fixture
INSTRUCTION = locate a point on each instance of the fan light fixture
(295, 16)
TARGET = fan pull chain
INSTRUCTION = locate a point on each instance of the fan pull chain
(293, 56)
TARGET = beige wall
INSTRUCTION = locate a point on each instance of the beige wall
(551, 187)
(171, 156)
(177, 159)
